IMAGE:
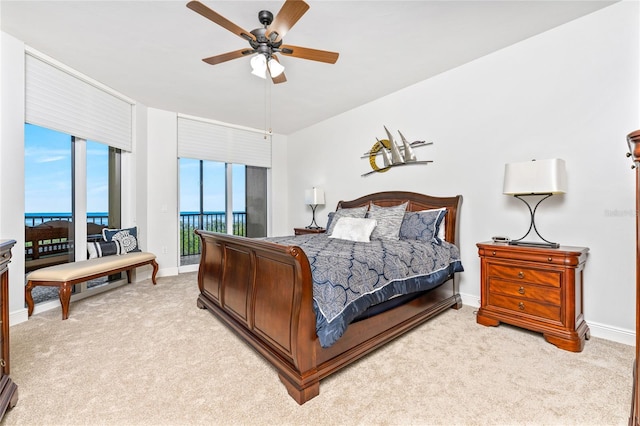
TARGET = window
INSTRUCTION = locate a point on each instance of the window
(58, 167)
(214, 197)
(48, 198)
(238, 202)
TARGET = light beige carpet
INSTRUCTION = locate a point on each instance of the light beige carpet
(146, 355)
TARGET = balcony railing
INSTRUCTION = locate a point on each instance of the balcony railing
(189, 222)
(35, 219)
(209, 221)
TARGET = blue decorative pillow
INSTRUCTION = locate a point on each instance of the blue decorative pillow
(103, 248)
(422, 225)
(388, 219)
(330, 219)
(128, 238)
(357, 212)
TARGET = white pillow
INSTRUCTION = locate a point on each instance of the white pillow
(358, 212)
(353, 229)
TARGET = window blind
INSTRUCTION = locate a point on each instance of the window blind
(60, 99)
(205, 140)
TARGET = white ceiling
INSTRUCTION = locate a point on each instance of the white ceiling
(151, 51)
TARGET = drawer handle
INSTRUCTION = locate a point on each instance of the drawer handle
(493, 253)
(520, 274)
(521, 290)
(521, 306)
(550, 259)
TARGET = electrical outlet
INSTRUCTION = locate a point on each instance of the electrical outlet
(164, 249)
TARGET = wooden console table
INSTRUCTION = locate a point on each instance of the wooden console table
(8, 389)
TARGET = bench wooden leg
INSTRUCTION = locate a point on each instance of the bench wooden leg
(153, 274)
(28, 297)
(65, 297)
(155, 271)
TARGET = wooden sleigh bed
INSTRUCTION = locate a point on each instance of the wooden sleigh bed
(264, 292)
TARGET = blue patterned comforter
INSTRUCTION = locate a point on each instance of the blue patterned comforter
(349, 277)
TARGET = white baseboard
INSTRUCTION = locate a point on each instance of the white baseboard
(166, 272)
(189, 268)
(470, 300)
(22, 315)
(602, 331)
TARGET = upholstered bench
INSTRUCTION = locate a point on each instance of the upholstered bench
(65, 276)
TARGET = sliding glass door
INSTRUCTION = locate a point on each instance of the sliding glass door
(214, 196)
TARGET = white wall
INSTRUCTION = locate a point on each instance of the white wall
(571, 93)
(279, 188)
(162, 188)
(12, 167)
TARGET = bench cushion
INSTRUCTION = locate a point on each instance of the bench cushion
(85, 268)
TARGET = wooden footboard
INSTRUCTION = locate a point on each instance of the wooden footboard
(263, 291)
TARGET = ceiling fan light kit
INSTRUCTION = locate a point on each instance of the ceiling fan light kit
(259, 66)
(275, 67)
(267, 40)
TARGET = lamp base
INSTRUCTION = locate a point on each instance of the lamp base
(313, 224)
(533, 244)
(532, 212)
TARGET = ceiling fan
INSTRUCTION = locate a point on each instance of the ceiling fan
(267, 40)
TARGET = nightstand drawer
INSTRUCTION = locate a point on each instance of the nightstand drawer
(524, 306)
(528, 275)
(527, 291)
(511, 253)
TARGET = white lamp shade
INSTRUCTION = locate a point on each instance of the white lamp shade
(314, 196)
(275, 68)
(259, 65)
(535, 177)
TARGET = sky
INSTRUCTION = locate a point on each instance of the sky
(213, 191)
(48, 177)
(48, 172)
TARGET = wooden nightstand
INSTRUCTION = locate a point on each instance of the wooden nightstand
(539, 289)
(302, 231)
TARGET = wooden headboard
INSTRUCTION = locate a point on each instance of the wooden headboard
(416, 202)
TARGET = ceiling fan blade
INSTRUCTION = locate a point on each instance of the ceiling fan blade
(203, 10)
(289, 14)
(214, 60)
(312, 54)
(280, 78)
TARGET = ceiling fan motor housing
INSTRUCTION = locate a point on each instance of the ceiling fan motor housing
(265, 17)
